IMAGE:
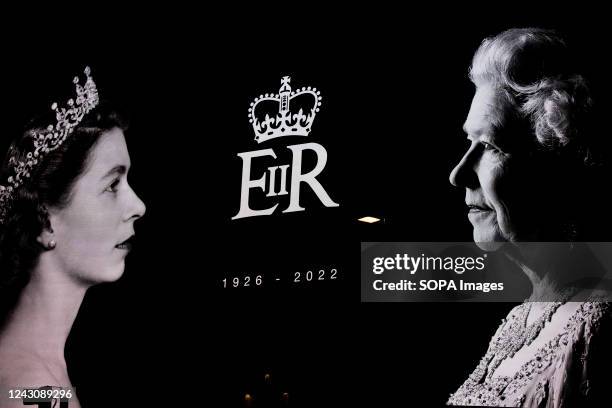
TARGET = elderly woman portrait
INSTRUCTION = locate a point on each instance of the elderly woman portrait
(531, 173)
(67, 215)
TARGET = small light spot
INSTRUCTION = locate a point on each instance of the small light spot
(369, 220)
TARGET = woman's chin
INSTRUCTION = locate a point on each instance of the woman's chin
(116, 273)
(487, 238)
(109, 275)
(491, 246)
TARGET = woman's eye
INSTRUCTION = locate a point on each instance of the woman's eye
(488, 146)
(113, 187)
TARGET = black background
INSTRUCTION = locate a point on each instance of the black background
(395, 94)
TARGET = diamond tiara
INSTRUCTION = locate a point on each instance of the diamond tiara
(67, 119)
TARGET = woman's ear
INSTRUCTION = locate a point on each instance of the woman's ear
(46, 235)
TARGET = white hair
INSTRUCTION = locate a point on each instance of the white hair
(533, 69)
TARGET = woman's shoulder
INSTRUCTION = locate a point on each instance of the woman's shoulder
(589, 351)
(22, 379)
(17, 371)
(595, 314)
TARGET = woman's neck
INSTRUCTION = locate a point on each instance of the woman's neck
(44, 314)
(553, 267)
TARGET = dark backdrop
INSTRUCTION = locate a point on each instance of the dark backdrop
(395, 92)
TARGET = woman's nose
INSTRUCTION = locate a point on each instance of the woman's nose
(137, 207)
(464, 175)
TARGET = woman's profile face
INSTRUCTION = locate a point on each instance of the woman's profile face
(100, 215)
(499, 190)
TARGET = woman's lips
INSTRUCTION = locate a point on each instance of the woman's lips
(125, 245)
(477, 213)
(477, 209)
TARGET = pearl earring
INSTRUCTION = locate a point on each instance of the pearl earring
(51, 244)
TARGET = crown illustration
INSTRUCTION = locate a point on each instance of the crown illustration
(284, 122)
(67, 118)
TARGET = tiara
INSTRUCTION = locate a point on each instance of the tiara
(67, 119)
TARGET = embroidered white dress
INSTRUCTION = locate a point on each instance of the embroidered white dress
(571, 370)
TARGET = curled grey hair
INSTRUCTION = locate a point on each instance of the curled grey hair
(534, 71)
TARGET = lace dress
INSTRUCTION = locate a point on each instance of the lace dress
(571, 370)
